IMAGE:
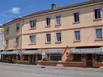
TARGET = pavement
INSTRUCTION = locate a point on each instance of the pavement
(20, 70)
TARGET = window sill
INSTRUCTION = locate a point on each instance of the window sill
(76, 41)
(48, 26)
(57, 25)
(98, 19)
(101, 39)
(32, 44)
(76, 22)
(58, 42)
(34, 28)
(48, 43)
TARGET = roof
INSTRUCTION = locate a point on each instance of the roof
(57, 9)
(64, 7)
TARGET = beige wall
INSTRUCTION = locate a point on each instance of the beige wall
(87, 27)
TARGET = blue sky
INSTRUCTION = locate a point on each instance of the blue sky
(10, 9)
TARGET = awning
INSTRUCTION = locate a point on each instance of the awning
(54, 51)
(87, 50)
(10, 52)
(30, 52)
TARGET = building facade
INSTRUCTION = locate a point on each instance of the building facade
(64, 36)
(1, 40)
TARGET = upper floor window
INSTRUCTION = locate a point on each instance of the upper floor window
(17, 27)
(48, 21)
(17, 41)
(97, 13)
(58, 20)
(7, 42)
(76, 17)
(48, 37)
(7, 30)
(99, 33)
(58, 36)
(33, 38)
(33, 23)
(77, 35)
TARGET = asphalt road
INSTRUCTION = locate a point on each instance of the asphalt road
(18, 70)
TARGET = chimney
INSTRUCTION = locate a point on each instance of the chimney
(53, 6)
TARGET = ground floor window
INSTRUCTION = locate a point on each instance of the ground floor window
(39, 57)
(99, 58)
(26, 57)
(55, 57)
(18, 57)
(76, 58)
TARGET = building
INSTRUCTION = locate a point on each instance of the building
(1, 40)
(64, 36)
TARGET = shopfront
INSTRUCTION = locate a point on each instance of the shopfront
(93, 56)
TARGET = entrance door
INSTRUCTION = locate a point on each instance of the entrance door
(33, 58)
(89, 60)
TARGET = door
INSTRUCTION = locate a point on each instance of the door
(33, 59)
(89, 60)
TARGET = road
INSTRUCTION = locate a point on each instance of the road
(19, 70)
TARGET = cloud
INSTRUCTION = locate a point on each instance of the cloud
(15, 10)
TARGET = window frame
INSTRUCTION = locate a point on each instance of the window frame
(17, 27)
(17, 41)
(33, 23)
(99, 33)
(48, 21)
(32, 41)
(58, 20)
(7, 30)
(58, 40)
(47, 38)
(76, 35)
(77, 17)
(97, 16)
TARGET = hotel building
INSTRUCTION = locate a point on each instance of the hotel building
(71, 35)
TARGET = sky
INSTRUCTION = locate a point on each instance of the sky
(10, 9)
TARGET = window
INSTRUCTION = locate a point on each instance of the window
(26, 57)
(33, 23)
(58, 20)
(7, 42)
(17, 41)
(76, 17)
(58, 35)
(17, 27)
(99, 58)
(33, 38)
(18, 57)
(76, 58)
(55, 57)
(77, 35)
(48, 20)
(48, 37)
(97, 13)
(39, 57)
(7, 30)
(99, 33)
